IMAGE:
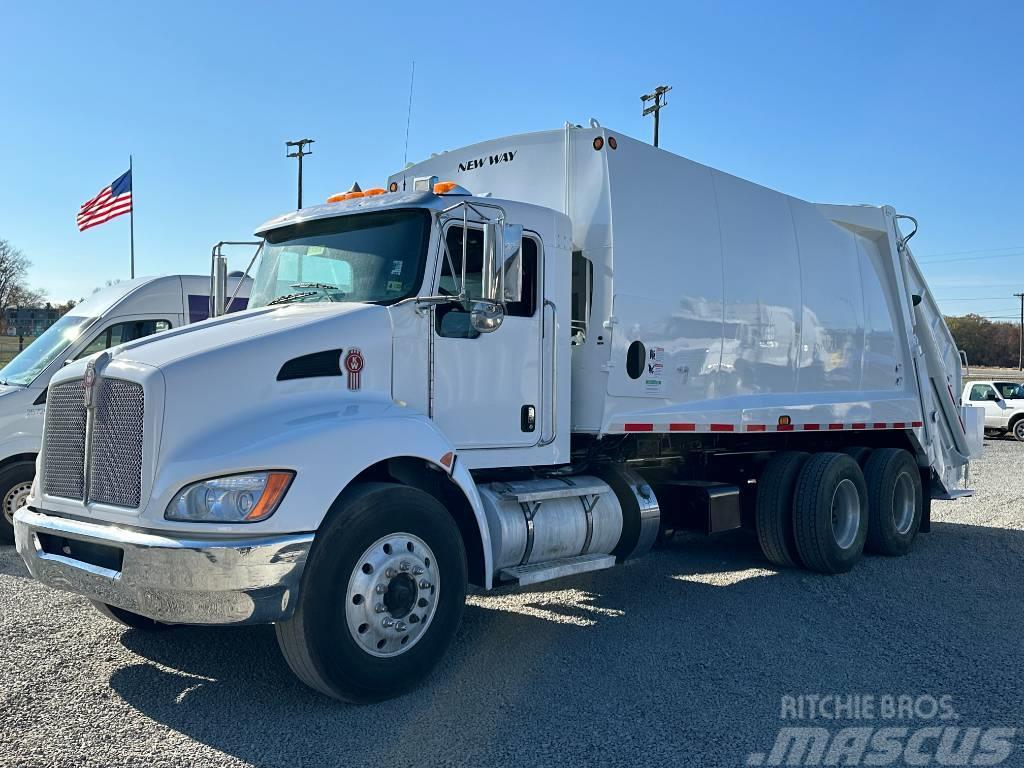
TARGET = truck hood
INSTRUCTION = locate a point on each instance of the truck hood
(220, 333)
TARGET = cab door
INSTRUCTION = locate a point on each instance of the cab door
(485, 388)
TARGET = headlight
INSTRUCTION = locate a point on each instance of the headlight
(246, 498)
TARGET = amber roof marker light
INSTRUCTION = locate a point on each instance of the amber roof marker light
(612, 143)
(598, 143)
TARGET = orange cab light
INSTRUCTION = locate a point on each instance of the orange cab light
(444, 186)
(785, 421)
(351, 195)
(336, 198)
(374, 192)
(598, 143)
(393, 186)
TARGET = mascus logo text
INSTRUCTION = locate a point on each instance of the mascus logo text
(480, 162)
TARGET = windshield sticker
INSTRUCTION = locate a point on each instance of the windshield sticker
(315, 250)
(394, 286)
(396, 267)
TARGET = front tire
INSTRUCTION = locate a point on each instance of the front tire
(382, 595)
(15, 484)
(1018, 430)
(830, 513)
(895, 501)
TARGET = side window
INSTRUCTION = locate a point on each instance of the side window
(528, 305)
(982, 392)
(582, 298)
(452, 320)
(119, 333)
(1006, 389)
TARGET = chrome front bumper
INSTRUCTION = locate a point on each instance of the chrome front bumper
(174, 580)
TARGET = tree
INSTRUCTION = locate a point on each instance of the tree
(985, 342)
(13, 288)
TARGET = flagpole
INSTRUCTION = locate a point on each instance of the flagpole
(131, 213)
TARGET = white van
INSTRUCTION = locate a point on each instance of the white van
(123, 312)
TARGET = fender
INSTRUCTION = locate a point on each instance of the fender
(314, 441)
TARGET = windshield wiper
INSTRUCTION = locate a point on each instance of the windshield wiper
(291, 297)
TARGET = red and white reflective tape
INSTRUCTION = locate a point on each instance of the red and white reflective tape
(719, 427)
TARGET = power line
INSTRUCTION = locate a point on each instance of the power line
(978, 298)
(976, 250)
(970, 258)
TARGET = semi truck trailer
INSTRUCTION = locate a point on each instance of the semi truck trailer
(524, 360)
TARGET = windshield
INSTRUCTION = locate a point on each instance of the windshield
(31, 361)
(368, 257)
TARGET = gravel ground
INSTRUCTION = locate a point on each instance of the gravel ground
(683, 657)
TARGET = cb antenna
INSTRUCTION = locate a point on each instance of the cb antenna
(408, 115)
(658, 101)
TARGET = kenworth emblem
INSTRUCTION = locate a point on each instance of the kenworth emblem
(354, 365)
(89, 382)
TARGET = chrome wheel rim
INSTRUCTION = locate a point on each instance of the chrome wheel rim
(845, 513)
(392, 595)
(903, 503)
(15, 498)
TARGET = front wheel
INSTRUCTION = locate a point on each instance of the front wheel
(381, 598)
(15, 485)
(1018, 429)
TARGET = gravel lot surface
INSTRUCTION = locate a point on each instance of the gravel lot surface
(681, 658)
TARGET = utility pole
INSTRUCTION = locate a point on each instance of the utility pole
(658, 97)
(1020, 359)
(300, 152)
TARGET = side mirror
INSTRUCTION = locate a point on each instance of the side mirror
(502, 263)
(486, 316)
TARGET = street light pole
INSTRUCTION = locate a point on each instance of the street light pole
(658, 97)
(300, 152)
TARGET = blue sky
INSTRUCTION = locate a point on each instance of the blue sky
(918, 105)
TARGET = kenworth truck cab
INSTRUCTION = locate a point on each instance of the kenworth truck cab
(520, 361)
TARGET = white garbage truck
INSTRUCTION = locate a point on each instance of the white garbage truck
(523, 360)
(124, 311)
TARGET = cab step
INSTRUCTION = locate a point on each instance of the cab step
(524, 575)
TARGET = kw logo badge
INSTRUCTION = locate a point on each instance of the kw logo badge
(480, 162)
(354, 366)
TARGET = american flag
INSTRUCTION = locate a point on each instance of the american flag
(113, 200)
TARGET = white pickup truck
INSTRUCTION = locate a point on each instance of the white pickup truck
(1003, 402)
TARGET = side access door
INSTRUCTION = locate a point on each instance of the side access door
(486, 388)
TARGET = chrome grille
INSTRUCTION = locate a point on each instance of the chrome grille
(115, 461)
(64, 436)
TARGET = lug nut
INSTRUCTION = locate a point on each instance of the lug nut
(379, 608)
(424, 584)
(403, 566)
(390, 573)
(387, 622)
(400, 626)
(381, 589)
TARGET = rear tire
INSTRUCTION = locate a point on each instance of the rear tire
(129, 619)
(774, 509)
(895, 501)
(830, 513)
(15, 483)
(365, 627)
(1018, 430)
